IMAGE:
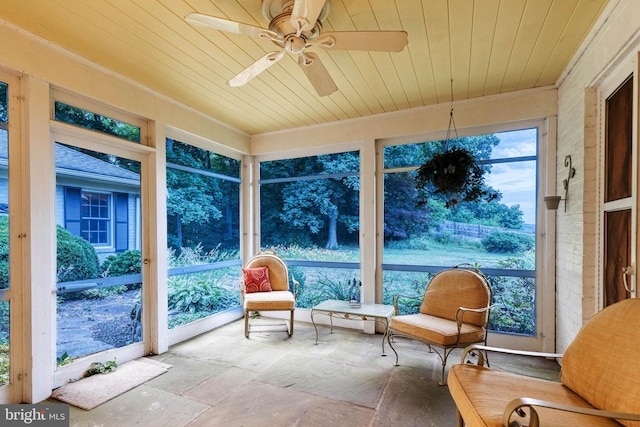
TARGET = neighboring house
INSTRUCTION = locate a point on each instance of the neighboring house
(94, 199)
(97, 201)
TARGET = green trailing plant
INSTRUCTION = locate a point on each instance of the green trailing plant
(102, 368)
(64, 359)
(456, 174)
(4, 363)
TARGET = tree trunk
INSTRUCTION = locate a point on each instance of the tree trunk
(332, 239)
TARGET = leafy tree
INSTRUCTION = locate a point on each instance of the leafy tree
(319, 204)
(492, 214)
(193, 198)
(88, 120)
(402, 218)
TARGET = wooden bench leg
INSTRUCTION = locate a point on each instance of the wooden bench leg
(246, 324)
(291, 324)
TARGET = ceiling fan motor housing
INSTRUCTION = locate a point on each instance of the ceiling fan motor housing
(282, 25)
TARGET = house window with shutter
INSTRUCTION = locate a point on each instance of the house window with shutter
(96, 218)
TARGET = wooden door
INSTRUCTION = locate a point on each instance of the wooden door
(618, 193)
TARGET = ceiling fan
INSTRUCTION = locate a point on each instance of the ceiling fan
(294, 26)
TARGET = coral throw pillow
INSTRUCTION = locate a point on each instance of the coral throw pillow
(256, 279)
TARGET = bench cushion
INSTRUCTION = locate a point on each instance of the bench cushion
(602, 364)
(274, 300)
(436, 330)
(481, 395)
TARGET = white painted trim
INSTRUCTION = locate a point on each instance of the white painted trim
(609, 81)
(195, 328)
(113, 90)
(15, 295)
(201, 142)
(38, 203)
(154, 289)
(154, 238)
(249, 209)
(546, 236)
(515, 106)
(367, 213)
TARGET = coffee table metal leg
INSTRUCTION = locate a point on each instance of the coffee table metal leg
(384, 335)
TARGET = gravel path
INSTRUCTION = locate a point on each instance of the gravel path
(91, 325)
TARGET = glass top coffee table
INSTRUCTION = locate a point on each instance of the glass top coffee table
(378, 312)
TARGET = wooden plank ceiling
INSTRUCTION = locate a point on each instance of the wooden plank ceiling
(480, 47)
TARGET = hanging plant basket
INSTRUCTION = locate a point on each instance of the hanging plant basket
(455, 173)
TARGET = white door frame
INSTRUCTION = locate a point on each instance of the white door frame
(82, 138)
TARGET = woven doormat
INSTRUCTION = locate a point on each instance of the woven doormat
(95, 390)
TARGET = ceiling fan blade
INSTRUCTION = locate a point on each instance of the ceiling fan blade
(208, 21)
(317, 74)
(305, 13)
(380, 41)
(256, 68)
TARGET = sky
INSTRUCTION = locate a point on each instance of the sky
(516, 181)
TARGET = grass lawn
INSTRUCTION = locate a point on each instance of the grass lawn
(444, 255)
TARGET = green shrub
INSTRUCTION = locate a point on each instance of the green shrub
(77, 258)
(97, 293)
(508, 242)
(514, 298)
(197, 293)
(405, 291)
(4, 364)
(4, 322)
(122, 263)
(327, 287)
(298, 273)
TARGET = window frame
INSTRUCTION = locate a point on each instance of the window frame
(75, 100)
(109, 219)
(545, 223)
(189, 330)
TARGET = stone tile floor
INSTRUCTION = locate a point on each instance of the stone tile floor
(221, 378)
